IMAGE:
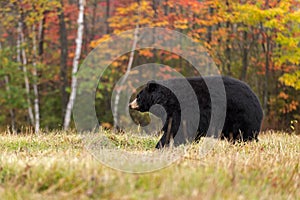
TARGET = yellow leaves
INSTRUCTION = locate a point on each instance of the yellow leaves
(274, 23)
(125, 10)
(245, 13)
(160, 23)
(291, 79)
(95, 43)
(200, 21)
(294, 17)
(201, 30)
(287, 41)
(143, 20)
(181, 24)
(133, 7)
(127, 16)
(253, 14)
(4, 61)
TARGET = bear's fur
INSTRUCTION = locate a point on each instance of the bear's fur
(243, 111)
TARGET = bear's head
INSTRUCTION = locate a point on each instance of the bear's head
(152, 94)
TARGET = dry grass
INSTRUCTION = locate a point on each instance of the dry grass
(56, 166)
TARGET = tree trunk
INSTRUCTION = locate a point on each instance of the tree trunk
(107, 16)
(35, 83)
(227, 42)
(21, 53)
(245, 57)
(165, 7)
(267, 63)
(80, 22)
(92, 35)
(63, 59)
(228, 52)
(117, 98)
(209, 28)
(266, 84)
(41, 35)
(154, 50)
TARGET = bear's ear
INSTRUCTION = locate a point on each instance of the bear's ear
(151, 86)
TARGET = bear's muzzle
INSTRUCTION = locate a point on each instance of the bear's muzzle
(134, 104)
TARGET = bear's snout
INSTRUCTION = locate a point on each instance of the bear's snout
(134, 104)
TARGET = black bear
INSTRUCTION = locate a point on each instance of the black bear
(243, 115)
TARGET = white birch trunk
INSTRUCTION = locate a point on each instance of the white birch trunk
(129, 66)
(75, 64)
(21, 53)
(35, 86)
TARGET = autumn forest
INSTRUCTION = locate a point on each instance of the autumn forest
(43, 43)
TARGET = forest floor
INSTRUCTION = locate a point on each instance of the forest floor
(56, 165)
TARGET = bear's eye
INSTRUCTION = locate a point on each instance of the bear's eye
(137, 96)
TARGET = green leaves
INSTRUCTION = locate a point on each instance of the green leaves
(12, 94)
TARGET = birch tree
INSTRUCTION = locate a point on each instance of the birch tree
(21, 58)
(35, 86)
(72, 97)
(129, 66)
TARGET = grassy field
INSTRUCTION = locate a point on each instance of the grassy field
(57, 166)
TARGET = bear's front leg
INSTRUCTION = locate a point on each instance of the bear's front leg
(162, 142)
(169, 130)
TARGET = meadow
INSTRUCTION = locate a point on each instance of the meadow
(57, 166)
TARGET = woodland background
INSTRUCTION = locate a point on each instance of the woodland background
(255, 41)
